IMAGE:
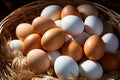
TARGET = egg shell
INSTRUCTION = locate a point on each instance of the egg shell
(38, 61)
(53, 55)
(110, 61)
(111, 42)
(53, 39)
(42, 24)
(94, 48)
(87, 10)
(23, 30)
(33, 41)
(66, 68)
(72, 25)
(58, 23)
(15, 45)
(69, 10)
(72, 49)
(91, 70)
(93, 25)
(81, 38)
(52, 11)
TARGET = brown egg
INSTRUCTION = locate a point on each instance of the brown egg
(94, 48)
(53, 39)
(38, 61)
(69, 10)
(86, 10)
(110, 61)
(42, 24)
(72, 49)
(32, 41)
(23, 30)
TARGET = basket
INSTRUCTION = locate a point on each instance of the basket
(26, 14)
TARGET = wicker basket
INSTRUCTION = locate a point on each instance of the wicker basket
(27, 13)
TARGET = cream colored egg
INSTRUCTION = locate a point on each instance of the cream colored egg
(42, 24)
(23, 30)
(52, 11)
(38, 61)
(87, 9)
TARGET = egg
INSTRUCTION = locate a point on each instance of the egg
(87, 10)
(66, 68)
(52, 11)
(94, 48)
(111, 42)
(33, 41)
(72, 25)
(15, 44)
(42, 24)
(38, 61)
(91, 70)
(58, 23)
(81, 38)
(23, 30)
(93, 25)
(110, 61)
(53, 55)
(69, 10)
(72, 49)
(53, 39)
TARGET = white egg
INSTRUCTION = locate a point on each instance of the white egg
(58, 23)
(93, 25)
(15, 44)
(111, 42)
(72, 24)
(53, 55)
(52, 11)
(66, 68)
(91, 70)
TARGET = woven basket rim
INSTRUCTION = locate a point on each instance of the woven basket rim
(114, 15)
(99, 6)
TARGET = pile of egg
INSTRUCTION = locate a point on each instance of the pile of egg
(69, 40)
